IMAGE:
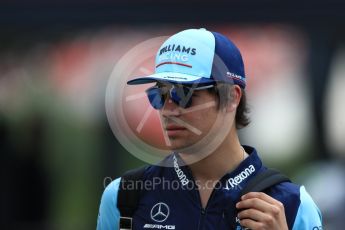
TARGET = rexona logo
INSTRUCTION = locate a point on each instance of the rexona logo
(233, 182)
(180, 174)
(159, 226)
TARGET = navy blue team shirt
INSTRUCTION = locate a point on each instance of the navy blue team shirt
(171, 199)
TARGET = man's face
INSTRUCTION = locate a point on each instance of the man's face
(184, 127)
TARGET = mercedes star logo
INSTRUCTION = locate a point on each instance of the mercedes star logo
(160, 212)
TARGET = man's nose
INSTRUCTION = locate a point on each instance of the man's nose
(170, 109)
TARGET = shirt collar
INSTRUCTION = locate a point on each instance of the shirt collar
(248, 168)
(235, 179)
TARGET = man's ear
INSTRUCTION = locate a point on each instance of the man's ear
(235, 97)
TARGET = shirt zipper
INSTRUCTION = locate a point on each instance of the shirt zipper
(203, 211)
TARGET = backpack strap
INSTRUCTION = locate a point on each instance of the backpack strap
(264, 180)
(128, 196)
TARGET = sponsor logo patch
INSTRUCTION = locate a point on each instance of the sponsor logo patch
(235, 181)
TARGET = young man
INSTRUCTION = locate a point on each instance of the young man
(199, 93)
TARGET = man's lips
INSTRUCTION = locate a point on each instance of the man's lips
(177, 125)
(174, 127)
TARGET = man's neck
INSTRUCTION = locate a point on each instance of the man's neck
(224, 159)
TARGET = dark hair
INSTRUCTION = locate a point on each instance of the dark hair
(242, 111)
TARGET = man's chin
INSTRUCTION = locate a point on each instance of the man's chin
(179, 147)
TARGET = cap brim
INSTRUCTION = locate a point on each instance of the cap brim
(171, 77)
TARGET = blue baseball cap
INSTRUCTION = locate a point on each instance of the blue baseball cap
(197, 56)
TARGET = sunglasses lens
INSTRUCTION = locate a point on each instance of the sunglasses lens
(155, 96)
(181, 96)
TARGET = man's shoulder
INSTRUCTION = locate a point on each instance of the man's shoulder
(286, 190)
(308, 215)
(109, 197)
(300, 209)
(109, 214)
(289, 194)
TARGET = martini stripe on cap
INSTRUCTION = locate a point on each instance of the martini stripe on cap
(176, 63)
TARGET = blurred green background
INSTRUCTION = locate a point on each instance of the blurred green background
(57, 149)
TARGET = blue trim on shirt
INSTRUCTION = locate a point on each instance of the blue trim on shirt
(308, 214)
(109, 214)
